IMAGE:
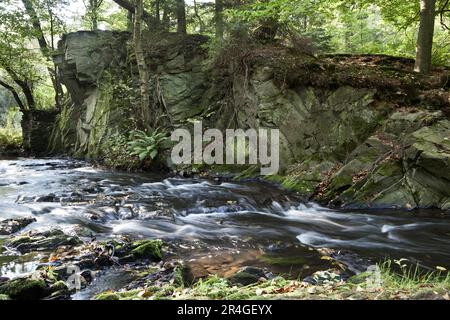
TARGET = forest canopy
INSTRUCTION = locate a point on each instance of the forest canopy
(30, 30)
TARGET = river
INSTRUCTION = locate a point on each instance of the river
(217, 225)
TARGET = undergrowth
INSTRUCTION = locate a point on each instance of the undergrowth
(10, 139)
(396, 281)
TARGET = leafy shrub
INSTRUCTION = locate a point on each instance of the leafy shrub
(10, 139)
(116, 154)
(146, 145)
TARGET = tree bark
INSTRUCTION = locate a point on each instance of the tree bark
(166, 17)
(181, 17)
(144, 120)
(158, 11)
(130, 21)
(424, 46)
(219, 19)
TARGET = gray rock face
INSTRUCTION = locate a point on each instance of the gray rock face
(314, 123)
(397, 167)
(102, 79)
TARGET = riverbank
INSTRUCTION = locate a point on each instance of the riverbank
(147, 274)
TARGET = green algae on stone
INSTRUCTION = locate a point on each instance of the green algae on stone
(24, 289)
(147, 249)
(107, 296)
(282, 260)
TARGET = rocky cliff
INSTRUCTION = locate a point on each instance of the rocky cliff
(356, 131)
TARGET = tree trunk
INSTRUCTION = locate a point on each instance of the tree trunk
(144, 120)
(424, 46)
(166, 17)
(46, 52)
(219, 19)
(181, 17)
(94, 22)
(158, 11)
(130, 21)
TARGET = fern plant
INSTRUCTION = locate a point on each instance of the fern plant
(146, 145)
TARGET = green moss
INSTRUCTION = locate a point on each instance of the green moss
(59, 286)
(4, 297)
(147, 249)
(282, 261)
(359, 278)
(164, 292)
(19, 240)
(293, 183)
(24, 289)
(178, 276)
(107, 296)
(390, 169)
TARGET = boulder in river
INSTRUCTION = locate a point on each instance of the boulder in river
(24, 289)
(10, 226)
(33, 288)
(249, 275)
(141, 249)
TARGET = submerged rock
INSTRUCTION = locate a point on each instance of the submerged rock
(10, 226)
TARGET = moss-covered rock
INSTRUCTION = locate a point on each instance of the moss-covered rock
(24, 289)
(147, 249)
(393, 170)
(41, 241)
(109, 295)
(140, 249)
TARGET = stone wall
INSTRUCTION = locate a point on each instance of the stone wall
(37, 127)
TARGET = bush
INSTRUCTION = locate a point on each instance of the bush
(137, 151)
(10, 139)
(146, 145)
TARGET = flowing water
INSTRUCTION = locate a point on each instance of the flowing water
(218, 225)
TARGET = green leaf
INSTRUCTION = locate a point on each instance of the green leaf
(153, 154)
(143, 155)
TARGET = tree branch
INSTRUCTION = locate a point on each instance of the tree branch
(130, 7)
(15, 95)
(441, 14)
